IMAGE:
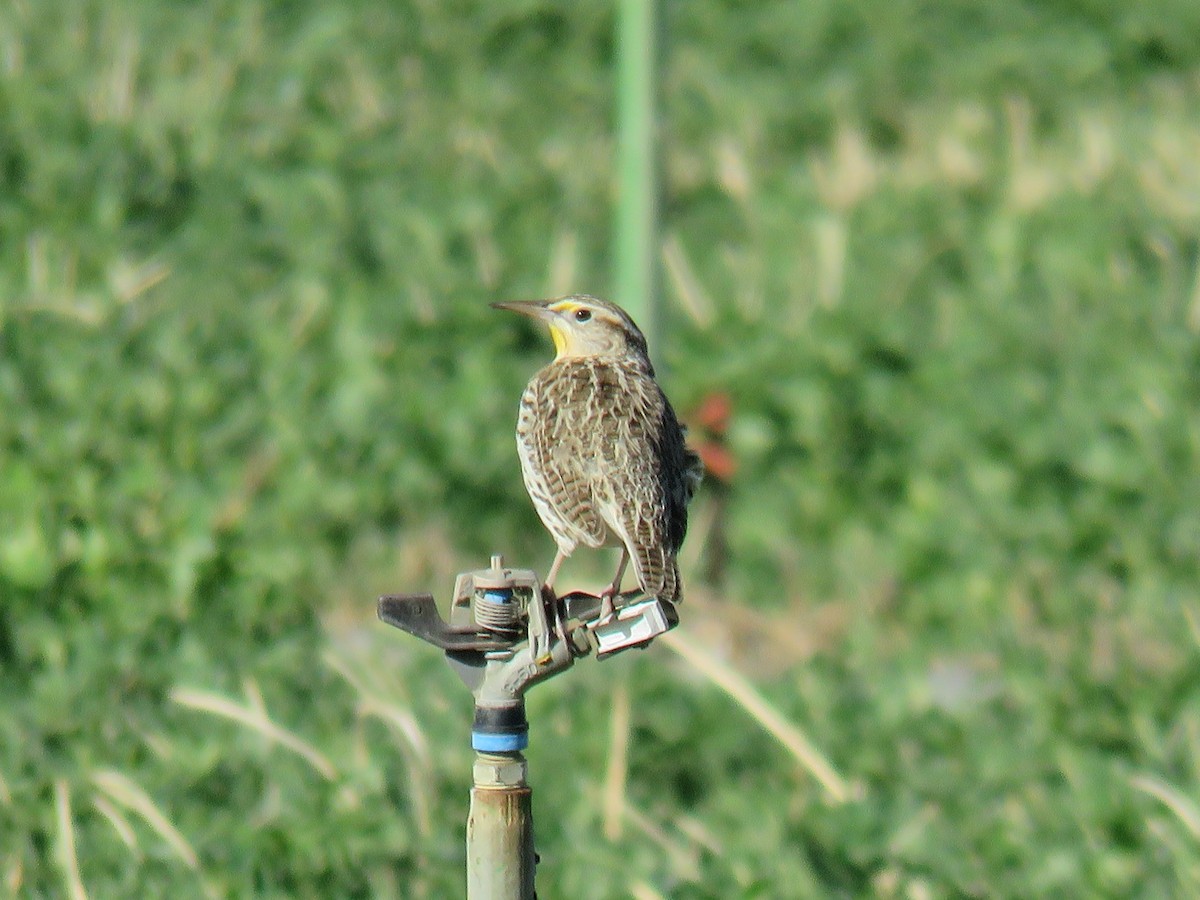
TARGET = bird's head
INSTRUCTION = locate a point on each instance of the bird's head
(584, 326)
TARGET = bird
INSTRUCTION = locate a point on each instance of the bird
(603, 455)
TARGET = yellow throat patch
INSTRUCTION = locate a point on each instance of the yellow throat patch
(560, 340)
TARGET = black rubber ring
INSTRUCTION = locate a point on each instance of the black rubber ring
(501, 719)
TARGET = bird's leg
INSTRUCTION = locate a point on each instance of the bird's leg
(539, 631)
(548, 584)
(607, 609)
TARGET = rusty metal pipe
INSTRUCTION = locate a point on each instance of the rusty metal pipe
(500, 857)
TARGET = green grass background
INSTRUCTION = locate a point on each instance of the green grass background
(943, 257)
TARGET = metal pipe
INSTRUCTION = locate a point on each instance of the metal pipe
(500, 857)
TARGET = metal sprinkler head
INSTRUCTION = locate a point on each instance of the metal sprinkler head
(505, 634)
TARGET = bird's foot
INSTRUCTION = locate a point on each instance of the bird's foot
(540, 619)
(608, 609)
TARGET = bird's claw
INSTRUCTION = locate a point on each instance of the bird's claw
(608, 609)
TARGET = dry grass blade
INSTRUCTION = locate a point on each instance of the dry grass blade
(66, 841)
(683, 859)
(618, 762)
(639, 890)
(1193, 309)
(687, 285)
(131, 795)
(1193, 621)
(119, 823)
(371, 704)
(1184, 808)
(747, 696)
(257, 720)
(700, 834)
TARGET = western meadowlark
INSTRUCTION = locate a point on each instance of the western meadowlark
(602, 453)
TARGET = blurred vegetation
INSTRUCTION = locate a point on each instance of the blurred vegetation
(944, 259)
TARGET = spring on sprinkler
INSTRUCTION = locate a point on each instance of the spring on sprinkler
(496, 609)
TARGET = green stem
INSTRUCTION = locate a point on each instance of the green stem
(637, 240)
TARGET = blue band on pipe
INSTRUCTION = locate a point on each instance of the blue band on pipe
(499, 743)
(499, 596)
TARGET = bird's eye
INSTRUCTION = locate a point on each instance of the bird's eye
(582, 315)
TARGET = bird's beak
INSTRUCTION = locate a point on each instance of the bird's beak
(539, 309)
(535, 309)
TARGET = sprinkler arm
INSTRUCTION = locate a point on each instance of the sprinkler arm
(540, 636)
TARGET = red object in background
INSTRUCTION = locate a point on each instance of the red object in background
(710, 424)
(711, 419)
(714, 412)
